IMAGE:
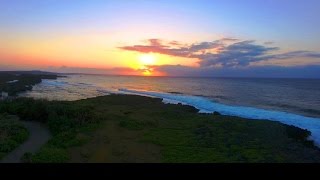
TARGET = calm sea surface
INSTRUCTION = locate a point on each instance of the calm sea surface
(299, 96)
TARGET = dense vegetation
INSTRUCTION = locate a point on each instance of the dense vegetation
(64, 121)
(15, 82)
(12, 133)
(128, 128)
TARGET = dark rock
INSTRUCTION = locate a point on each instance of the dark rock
(216, 113)
(127, 112)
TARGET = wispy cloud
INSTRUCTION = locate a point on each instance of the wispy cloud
(225, 52)
(268, 42)
(293, 54)
(229, 39)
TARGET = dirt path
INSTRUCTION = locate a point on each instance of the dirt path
(39, 135)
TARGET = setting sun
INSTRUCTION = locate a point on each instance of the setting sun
(147, 59)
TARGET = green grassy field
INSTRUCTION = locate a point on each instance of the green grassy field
(128, 128)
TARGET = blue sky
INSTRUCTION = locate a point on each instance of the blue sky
(281, 20)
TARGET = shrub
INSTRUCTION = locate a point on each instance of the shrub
(299, 135)
(50, 155)
(68, 139)
(26, 158)
(12, 133)
(59, 124)
(8, 145)
(131, 124)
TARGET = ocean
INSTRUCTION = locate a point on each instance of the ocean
(290, 101)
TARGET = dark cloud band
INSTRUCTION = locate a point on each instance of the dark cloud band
(225, 52)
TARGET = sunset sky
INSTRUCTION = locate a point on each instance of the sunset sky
(273, 38)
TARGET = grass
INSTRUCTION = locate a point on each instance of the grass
(12, 134)
(128, 128)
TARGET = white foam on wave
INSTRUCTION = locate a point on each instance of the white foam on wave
(105, 91)
(208, 106)
(53, 82)
(13, 81)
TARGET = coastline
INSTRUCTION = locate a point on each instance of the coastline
(14, 82)
(130, 127)
(208, 106)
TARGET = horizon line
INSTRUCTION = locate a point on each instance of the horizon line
(167, 76)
